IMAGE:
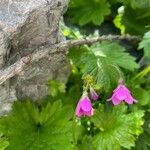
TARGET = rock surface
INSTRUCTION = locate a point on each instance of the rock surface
(24, 26)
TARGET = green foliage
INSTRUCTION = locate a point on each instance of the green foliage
(139, 4)
(136, 3)
(142, 96)
(115, 54)
(102, 61)
(143, 142)
(118, 23)
(136, 20)
(117, 128)
(145, 44)
(143, 73)
(30, 128)
(3, 142)
(133, 21)
(55, 87)
(70, 93)
(70, 33)
(88, 11)
(86, 143)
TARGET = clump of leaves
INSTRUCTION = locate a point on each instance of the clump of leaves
(3, 142)
(117, 128)
(145, 44)
(102, 61)
(88, 11)
(133, 21)
(136, 17)
(136, 3)
(29, 127)
(69, 93)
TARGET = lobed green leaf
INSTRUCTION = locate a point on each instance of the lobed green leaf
(88, 11)
(29, 128)
(102, 61)
(117, 128)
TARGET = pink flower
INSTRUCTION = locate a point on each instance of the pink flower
(84, 107)
(121, 93)
(93, 94)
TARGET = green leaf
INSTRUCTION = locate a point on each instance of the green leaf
(136, 20)
(118, 23)
(135, 3)
(95, 67)
(72, 33)
(88, 11)
(145, 44)
(86, 143)
(55, 87)
(142, 96)
(143, 73)
(143, 142)
(3, 142)
(139, 4)
(29, 128)
(116, 55)
(71, 94)
(117, 128)
(101, 61)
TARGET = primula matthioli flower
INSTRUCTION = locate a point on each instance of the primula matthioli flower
(121, 93)
(93, 94)
(84, 106)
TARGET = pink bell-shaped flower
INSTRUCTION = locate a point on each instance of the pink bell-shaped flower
(84, 107)
(121, 93)
(93, 94)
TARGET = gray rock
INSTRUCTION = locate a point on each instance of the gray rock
(24, 26)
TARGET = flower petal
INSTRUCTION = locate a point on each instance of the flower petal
(121, 93)
(79, 111)
(130, 99)
(86, 105)
(90, 113)
(93, 94)
(115, 100)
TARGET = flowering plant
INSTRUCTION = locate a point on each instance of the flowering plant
(105, 102)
